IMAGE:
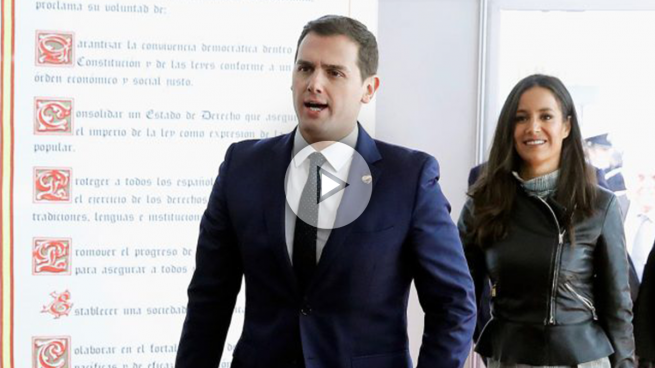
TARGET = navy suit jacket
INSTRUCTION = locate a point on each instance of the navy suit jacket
(645, 313)
(354, 312)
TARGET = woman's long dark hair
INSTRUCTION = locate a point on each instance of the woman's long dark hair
(495, 191)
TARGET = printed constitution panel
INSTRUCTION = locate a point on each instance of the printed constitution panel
(123, 113)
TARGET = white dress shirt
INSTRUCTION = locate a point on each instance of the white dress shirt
(640, 236)
(339, 159)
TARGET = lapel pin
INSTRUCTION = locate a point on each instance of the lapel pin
(367, 179)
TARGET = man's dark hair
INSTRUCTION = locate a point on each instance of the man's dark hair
(334, 25)
(494, 192)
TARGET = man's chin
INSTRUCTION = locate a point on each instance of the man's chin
(314, 131)
(323, 130)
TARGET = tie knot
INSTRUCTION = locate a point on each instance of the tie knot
(317, 159)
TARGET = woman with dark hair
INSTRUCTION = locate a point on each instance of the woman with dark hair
(549, 239)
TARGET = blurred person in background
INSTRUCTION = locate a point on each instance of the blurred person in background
(640, 216)
(609, 159)
(640, 235)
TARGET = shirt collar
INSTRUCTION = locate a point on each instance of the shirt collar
(336, 155)
(647, 217)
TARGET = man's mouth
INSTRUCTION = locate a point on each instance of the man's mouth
(315, 106)
(535, 142)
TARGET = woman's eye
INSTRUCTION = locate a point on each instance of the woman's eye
(546, 117)
(520, 118)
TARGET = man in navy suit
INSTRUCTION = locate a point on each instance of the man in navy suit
(335, 297)
(644, 320)
(640, 236)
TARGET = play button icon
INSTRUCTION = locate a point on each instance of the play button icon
(330, 184)
(343, 177)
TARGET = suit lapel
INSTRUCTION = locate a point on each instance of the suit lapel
(335, 245)
(276, 203)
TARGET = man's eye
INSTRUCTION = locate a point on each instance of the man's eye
(302, 68)
(335, 73)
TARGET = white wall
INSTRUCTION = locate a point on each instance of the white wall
(427, 99)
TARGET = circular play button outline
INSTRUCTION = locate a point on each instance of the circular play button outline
(355, 192)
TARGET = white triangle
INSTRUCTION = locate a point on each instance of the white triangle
(327, 184)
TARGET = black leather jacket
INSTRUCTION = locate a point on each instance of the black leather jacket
(554, 303)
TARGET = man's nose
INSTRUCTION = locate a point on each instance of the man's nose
(316, 82)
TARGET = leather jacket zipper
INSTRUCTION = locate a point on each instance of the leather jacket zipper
(550, 320)
(584, 300)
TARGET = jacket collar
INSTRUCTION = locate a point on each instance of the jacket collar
(276, 204)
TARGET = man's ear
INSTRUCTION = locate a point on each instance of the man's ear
(371, 85)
